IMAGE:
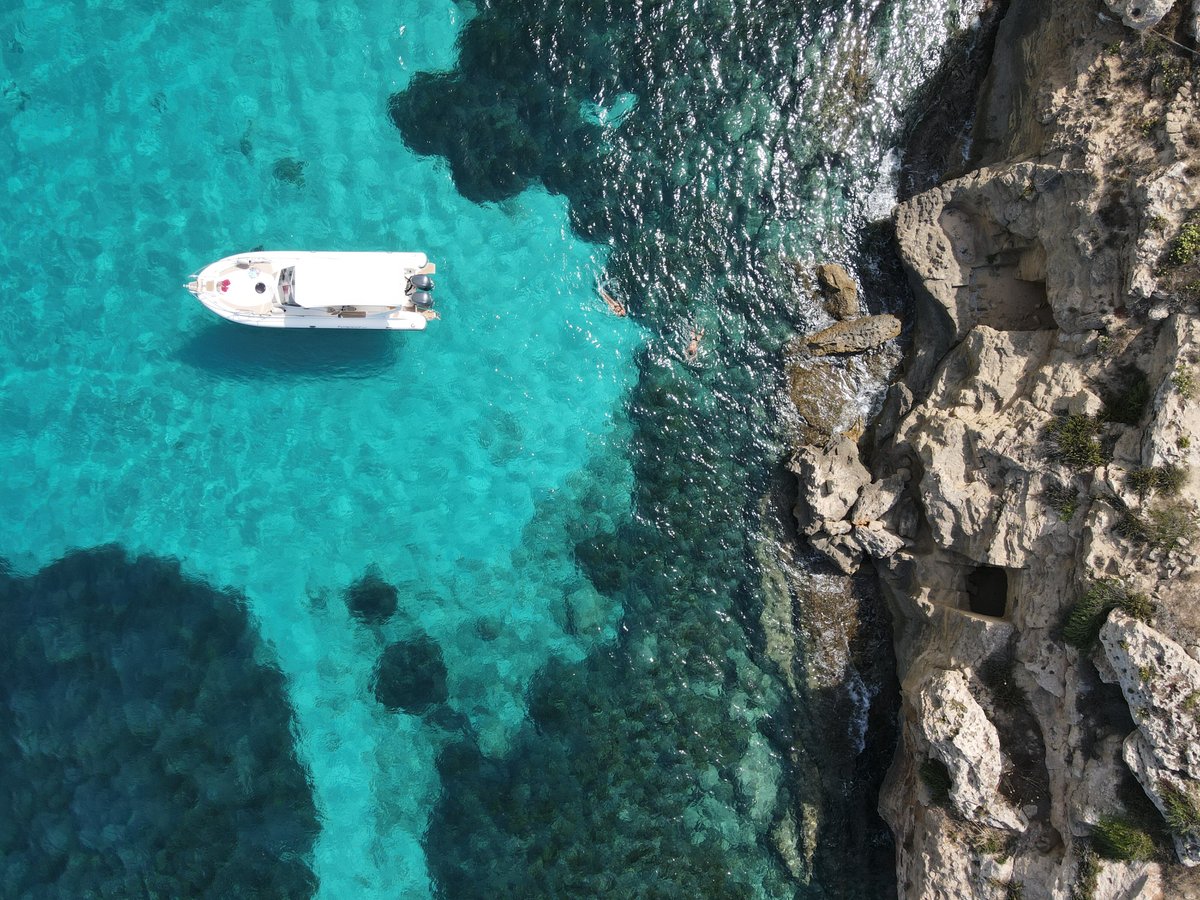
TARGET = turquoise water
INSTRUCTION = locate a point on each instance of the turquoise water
(561, 500)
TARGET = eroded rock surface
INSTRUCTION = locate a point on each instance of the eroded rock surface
(1161, 683)
(839, 291)
(855, 336)
(960, 736)
(1046, 437)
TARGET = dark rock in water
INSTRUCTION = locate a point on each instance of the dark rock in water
(839, 290)
(489, 628)
(145, 750)
(371, 599)
(290, 170)
(449, 719)
(854, 336)
(411, 676)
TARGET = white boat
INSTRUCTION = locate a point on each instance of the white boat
(319, 289)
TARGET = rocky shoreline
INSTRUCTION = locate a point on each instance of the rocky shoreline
(1027, 495)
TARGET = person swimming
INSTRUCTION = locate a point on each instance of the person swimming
(614, 304)
(693, 346)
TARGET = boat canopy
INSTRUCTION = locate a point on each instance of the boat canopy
(354, 279)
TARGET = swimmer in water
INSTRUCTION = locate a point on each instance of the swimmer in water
(694, 346)
(613, 303)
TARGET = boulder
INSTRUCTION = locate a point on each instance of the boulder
(821, 390)
(1161, 684)
(1140, 14)
(839, 291)
(960, 735)
(855, 336)
(830, 481)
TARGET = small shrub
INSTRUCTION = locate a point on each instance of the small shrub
(1186, 244)
(1088, 877)
(1118, 838)
(1074, 440)
(1086, 617)
(937, 778)
(1184, 442)
(1166, 480)
(997, 674)
(1164, 527)
(1126, 403)
(1170, 524)
(1182, 815)
(1063, 500)
(1184, 380)
(992, 842)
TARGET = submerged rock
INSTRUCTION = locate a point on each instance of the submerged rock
(411, 676)
(290, 169)
(371, 599)
(146, 739)
(855, 336)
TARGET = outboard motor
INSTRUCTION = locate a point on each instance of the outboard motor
(418, 291)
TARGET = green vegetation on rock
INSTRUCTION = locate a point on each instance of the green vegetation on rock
(1118, 838)
(1086, 617)
(1074, 442)
(1184, 380)
(1165, 480)
(1088, 876)
(1182, 815)
(1164, 527)
(1063, 499)
(1186, 244)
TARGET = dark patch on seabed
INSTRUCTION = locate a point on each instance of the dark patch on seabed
(610, 790)
(145, 747)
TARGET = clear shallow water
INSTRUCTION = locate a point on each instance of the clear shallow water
(565, 507)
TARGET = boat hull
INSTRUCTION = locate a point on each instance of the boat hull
(315, 289)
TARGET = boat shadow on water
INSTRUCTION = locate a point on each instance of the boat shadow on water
(257, 354)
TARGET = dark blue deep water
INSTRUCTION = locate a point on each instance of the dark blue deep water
(477, 612)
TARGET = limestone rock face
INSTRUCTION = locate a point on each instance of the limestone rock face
(1161, 683)
(976, 441)
(1140, 14)
(855, 336)
(840, 510)
(830, 481)
(960, 735)
(839, 291)
(1038, 279)
(819, 387)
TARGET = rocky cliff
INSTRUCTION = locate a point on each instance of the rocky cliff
(1028, 495)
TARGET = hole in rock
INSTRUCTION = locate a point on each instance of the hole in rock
(987, 591)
